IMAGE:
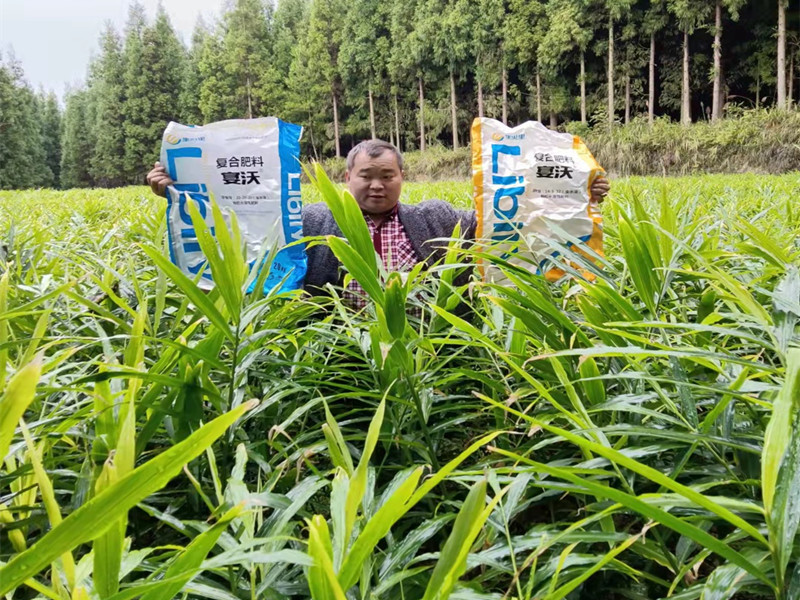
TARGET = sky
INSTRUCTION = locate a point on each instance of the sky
(54, 39)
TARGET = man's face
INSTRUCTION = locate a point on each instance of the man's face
(375, 182)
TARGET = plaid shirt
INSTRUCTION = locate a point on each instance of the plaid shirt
(393, 245)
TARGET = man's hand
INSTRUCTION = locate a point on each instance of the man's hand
(158, 179)
(599, 189)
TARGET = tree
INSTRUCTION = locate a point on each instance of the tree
(246, 58)
(570, 30)
(689, 15)
(404, 68)
(136, 103)
(655, 19)
(364, 51)
(452, 47)
(76, 146)
(732, 7)
(107, 85)
(525, 27)
(782, 54)
(614, 10)
(418, 55)
(51, 136)
(165, 54)
(490, 47)
(216, 98)
(192, 83)
(323, 44)
(314, 80)
(22, 156)
(289, 31)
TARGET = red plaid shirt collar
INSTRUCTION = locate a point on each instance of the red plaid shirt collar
(393, 245)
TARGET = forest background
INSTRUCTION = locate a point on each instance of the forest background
(415, 72)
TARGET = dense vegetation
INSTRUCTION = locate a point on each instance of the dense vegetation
(633, 438)
(412, 71)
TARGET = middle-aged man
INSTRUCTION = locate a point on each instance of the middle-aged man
(403, 234)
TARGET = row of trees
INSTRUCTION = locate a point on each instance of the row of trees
(412, 71)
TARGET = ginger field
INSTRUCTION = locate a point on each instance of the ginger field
(632, 437)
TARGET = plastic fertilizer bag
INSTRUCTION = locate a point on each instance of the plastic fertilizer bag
(531, 188)
(250, 166)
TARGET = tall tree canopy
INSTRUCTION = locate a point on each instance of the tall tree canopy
(413, 71)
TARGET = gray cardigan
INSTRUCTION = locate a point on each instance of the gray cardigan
(423, 223)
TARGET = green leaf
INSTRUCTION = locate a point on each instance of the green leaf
(452, 561)
(340, 454)
(640, 264)
(376, 529)
(184, 567)
(779, 428)
(650, 473)
(681, 526)
(194, 293)
(348, 217)
(94, 517)
(322, 581)
(784, 519)
(19, 394)
(358, 267)
(358, 482)
(108, 548)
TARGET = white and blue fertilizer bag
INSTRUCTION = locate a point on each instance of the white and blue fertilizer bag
(249, 166)
(532, 193)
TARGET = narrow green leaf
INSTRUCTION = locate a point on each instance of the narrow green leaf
(448, 567)
(679, 525)
(192, 292)
(650, 473)
(779, 428)
(358, 483)
(108, 548)
(99, 513)
(16, 399)
(322, 581)
(376, 529)
(188, 562)
(358, 268)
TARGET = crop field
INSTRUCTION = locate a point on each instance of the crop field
(631, 437)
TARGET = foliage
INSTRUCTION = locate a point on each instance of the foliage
(635, 437)
(398, 70)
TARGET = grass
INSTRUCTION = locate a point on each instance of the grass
(636, 437)
(746, 141)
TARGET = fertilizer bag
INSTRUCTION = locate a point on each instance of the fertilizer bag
(531, 188)
(249, 166)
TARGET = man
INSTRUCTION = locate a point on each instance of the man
(402, 234)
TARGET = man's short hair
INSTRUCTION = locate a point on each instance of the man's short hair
(373, 149)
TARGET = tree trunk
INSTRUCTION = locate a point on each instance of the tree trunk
(396, 122)
(583, 89)
(371, 114)
(553, 120)
(421, 117)
(790, 83)
(781, 54)
(610, 72)
(651, 101)
(627, 99)
(538, 96)
(505, 96)
(336, 125)
(758, 91)
(716, 101)
(453, 112)
(480, 98)
(249, 100)
(686, 107)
